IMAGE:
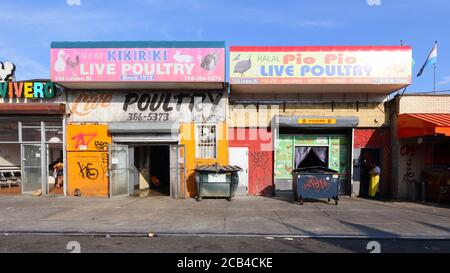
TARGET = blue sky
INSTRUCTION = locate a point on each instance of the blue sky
(30, 26)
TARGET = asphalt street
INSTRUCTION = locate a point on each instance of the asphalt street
(213, 244)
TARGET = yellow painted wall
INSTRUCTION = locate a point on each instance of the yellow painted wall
(187, 138)
(87, 159)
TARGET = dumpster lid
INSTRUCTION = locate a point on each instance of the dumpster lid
(313, 169)
(218, 168)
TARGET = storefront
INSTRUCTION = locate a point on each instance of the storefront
(141, 115)
(421, 147)
(296, 107)
(31, 138)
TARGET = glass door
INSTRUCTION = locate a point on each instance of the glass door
(119, 170)
(31, 168)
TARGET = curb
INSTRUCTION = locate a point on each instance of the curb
(181, 234)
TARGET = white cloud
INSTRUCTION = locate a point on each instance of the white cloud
(26, 67)
(312, 23)
(444, 81)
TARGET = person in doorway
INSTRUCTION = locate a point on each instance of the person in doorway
(59, 174)
(374, 173)
(155, 181)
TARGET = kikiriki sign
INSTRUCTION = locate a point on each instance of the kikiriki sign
(132, 62)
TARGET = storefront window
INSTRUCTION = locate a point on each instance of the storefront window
(53, 132)
(206, 141)
(9, 131)
(31, 133)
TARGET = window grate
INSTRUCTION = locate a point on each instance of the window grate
(206, 145)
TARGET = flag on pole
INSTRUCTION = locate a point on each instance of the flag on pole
(431, 59)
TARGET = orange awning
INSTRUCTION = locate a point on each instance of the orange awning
(416, 125)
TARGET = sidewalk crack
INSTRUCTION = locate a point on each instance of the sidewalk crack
(282, 222)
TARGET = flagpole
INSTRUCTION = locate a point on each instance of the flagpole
(434, 70)
(434, 79)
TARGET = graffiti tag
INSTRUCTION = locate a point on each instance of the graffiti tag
(260, 162)
(316, 184)
(409, 151)
(101, 145)
(87, 171)
(83, 139)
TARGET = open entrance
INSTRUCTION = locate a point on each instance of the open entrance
(143, 169)
(152, 167)
(369, 158)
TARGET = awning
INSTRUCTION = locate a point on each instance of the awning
(143, 127)
(417, 125)
(33, 108)
(315, 121)
(134, 132)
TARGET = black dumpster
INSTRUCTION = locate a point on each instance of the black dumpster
(216, 181)
(315, 182)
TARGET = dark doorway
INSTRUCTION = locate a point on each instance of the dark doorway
(311, 157)
(160, 169)
(151, 170)
(368, 155)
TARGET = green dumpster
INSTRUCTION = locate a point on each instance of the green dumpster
(216, 181)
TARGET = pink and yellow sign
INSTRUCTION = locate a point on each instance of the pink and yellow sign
(137, 64)
(321, 65)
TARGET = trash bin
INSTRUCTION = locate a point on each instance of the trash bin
(315, 182)
(216, 181)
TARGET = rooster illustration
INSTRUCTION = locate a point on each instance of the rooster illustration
(209, 62)
(73, 64)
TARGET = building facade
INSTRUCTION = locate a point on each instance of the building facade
(294, 107)
(32, 125)
(421, 147)
(141, 115)
(136, 118)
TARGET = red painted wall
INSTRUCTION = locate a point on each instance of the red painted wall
(377, 138)
(371, 138)
(260, 157)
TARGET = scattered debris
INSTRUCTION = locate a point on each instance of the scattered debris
(37, 193)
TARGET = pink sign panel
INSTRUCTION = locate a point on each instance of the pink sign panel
(138, 64)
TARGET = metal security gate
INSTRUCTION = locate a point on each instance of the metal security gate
(119, 174)
(177, 171)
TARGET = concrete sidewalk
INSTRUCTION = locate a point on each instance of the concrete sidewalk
(353, 217)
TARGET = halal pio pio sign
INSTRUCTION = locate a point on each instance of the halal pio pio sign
(138, 64)
(321, 65)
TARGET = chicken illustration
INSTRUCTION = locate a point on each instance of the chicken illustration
(6, 71)
(209, 62)
(73, 64)
(243, 66)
